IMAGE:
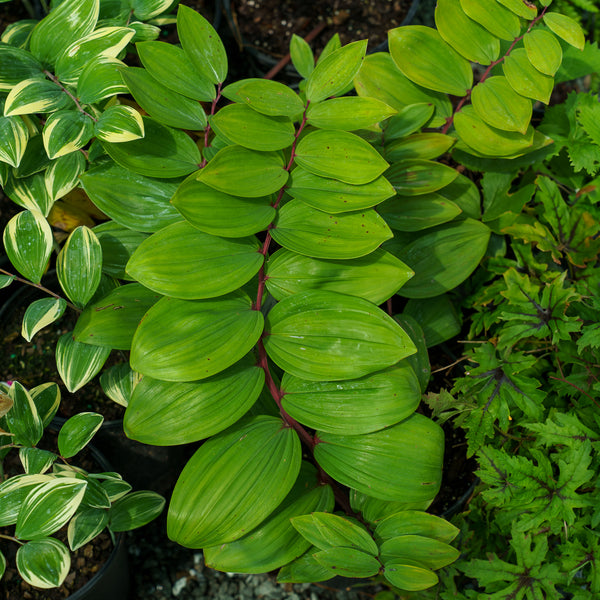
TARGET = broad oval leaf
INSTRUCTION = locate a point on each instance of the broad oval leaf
(348, 113)
(135, 510)
(35, 96)
(415, 213)
(302, 56)
(77, 432)
(164, 413)
(148, 9)
(409, 120)
(334, 196)
(119, 123)
(375, 277)
(253, 130)
(497, 19)
(233, 482)
(466, 36)
(118, 383)
(326, 336)
(526, 10)
(44, 563)
(443, 257)
(408, 576)
(47, 400)
(28, 243)
(29, 192)
(413, 177)
(185, 340)
(100, 79)
(496, 103)
(62, 176)
(269, 97)
(311, 232)
(85, 526)
(427, 146)
(339, 155)
(112, 321)
(132, 200)
(348, 562)
(426, 59)
(335, 73)
(23, 419)
(40, 314)
(543, 51)
(182, 262)
(78, 363)
(566, 28)
(66, 131)
(305, 570)
(16, 65)
(118, 244)
(35, 460)
(346, 407)
(13, 492)
(13, 140)
(402, 462)
(424, 551)
(525, 79)
(437, 316)
(79, 266)
(416, 522)
(243, 172)
(222, 214)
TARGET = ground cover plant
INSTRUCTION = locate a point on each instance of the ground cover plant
(250, 233)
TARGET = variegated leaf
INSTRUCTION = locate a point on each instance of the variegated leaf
(40, 314)
(118, 383)
(23, 420)
(16, 64)
(47, 400)
(35, 96)
(29, 192)
(17, 34)
(35, 460)
(28, 243)
(66, 131)
(63, 174)
(145, 10)
(119, 123)
(100, 79)
(13, 140)
(85, 526)
(134, 510)
(13, 492)
(44, 563)
(2, 565)
(77, 432)
(78, 363)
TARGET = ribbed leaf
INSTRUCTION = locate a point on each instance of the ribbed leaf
(309, 231)
(543, 51)
(268, 97)
(118, 124)
(233, 482)
(302, 56)
(413, 177)
(118, 383)
(414, 522)
(182, 262)
(78, 363)
(333, 196)
(118, 244)
(47, 400)
(85, 526)
(100, 79)
(77, 432)
(427, 60)
(221, 214)
(346, 407)
(165, 413)
(135, 510)
(44, 563)
(566, 28)
(374, 277)
(17, 65)
(13, 492)
(185, 340)
(497, 19)
(409, 120)
(349, 113)
(147, 9)
(409, 577)
(35, 460)
(339, 155)
(13, 140)
(23, 419)
(35, 96)
(415, 213)
(348, 562)
(305, 570)
(326, 336)
(402, 462)
(132, 200)
(40, 314)
(437, 316)
(28, 244)
(66, 131)
(525, 79)
(112, 321)
(62, 175)
(426, 552)
(427, 145)
(29, 192)
(522, 9)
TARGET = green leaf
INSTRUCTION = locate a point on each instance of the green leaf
(402, 462)
(29, 192)
(163, 152)
(68, 22)
(221, 214)
(184, 340)
(348, 562)
(163, 104)
(40, 314)
(169, 64)
(100, 79)
(414, 177)
(136, 202)
(420, 360)
(6, 280)
(305, 570)
(424, 551)
(118, 244)
(427, 145)
(47, 400)
(77, 432)
(62, 175)
(427, 60)
(85, 526)
(302, 56)
(118, 124)
(375, 277)
(416, 523)
(13, 140)
(118, 383)
(253, 130)
(333, 196)
(488, 140)
(148, 9)
(565, 28)
(335, 73)
(345, 407)
(326, 336)
(48, 507)
(409, 120)
(202, 44)
(466, 36)
(268, 97)
(310, 232)
(13, 492)
(44, 563)
(79, 266)
(349, 113)
(339, 155)
(17, 34)
(239, 171)
(28, 244)
(497, 19)
(233, 482)
(66, 131)
(134, 510)
(35, 96)
(543, 51)
(17, 65)
(165, 413)
(408, 576)
(112, 321)
(78, 363)
(415, 213)
(23, 419)
(437, 316)
(105, 42)
(522, 9)
(525, 79)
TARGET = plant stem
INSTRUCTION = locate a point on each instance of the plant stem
(80, 108)
(207, 129)
(12, 539)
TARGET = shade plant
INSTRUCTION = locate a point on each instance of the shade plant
(242, 264)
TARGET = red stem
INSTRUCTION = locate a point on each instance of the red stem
(207, 129)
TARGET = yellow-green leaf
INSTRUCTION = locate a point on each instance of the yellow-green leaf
(543, 50)
(497, 19)
(66, 131)
(525, 79)
(565, 28)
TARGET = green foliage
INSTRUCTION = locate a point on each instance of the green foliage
(49, 493)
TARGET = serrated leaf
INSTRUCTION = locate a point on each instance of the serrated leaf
(78, 363)
(497, 19)
(44, 563)
(66, 131)
(40, 314)
(525, 79)
(118, 124)
(77, 432)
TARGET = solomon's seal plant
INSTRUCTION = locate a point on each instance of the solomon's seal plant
(49, 492)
